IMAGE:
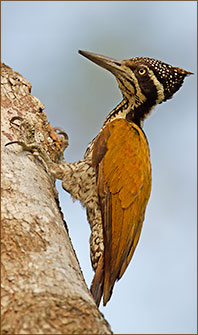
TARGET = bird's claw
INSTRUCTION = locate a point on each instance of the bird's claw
(32, 147)
(14, 118)
(30, 143)
(64, 137)
(29, 131)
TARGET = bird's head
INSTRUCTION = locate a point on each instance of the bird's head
(144, 82)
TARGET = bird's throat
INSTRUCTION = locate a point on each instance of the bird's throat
(128, 110)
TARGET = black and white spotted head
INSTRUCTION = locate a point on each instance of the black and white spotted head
(166, 78)
(144, 82)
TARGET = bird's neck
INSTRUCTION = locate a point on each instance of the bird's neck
(128, 110)
(119, 112)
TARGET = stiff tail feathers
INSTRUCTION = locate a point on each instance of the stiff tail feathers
(97, 285)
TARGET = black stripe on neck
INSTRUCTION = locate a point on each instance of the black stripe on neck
(140, 113)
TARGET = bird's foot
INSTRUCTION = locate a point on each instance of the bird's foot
(64, 138)
(28, 131)
(30, 142)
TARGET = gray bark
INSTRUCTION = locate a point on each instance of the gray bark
(43, 289)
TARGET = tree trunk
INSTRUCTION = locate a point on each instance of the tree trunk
(43, 289)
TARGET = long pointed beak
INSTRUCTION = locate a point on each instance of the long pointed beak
(107, 63)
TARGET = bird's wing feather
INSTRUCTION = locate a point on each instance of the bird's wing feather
(122, 160)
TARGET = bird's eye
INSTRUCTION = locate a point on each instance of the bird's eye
(142, 71)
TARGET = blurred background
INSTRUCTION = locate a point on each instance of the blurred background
(40, 40)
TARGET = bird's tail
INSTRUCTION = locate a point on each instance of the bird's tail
(98, 282)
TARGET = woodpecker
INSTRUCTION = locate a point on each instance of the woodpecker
(113, 181)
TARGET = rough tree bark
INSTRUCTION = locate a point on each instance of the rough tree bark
(43, 289)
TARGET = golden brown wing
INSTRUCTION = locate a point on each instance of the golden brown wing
(121, 157)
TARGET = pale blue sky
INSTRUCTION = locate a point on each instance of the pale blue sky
(40, 40)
